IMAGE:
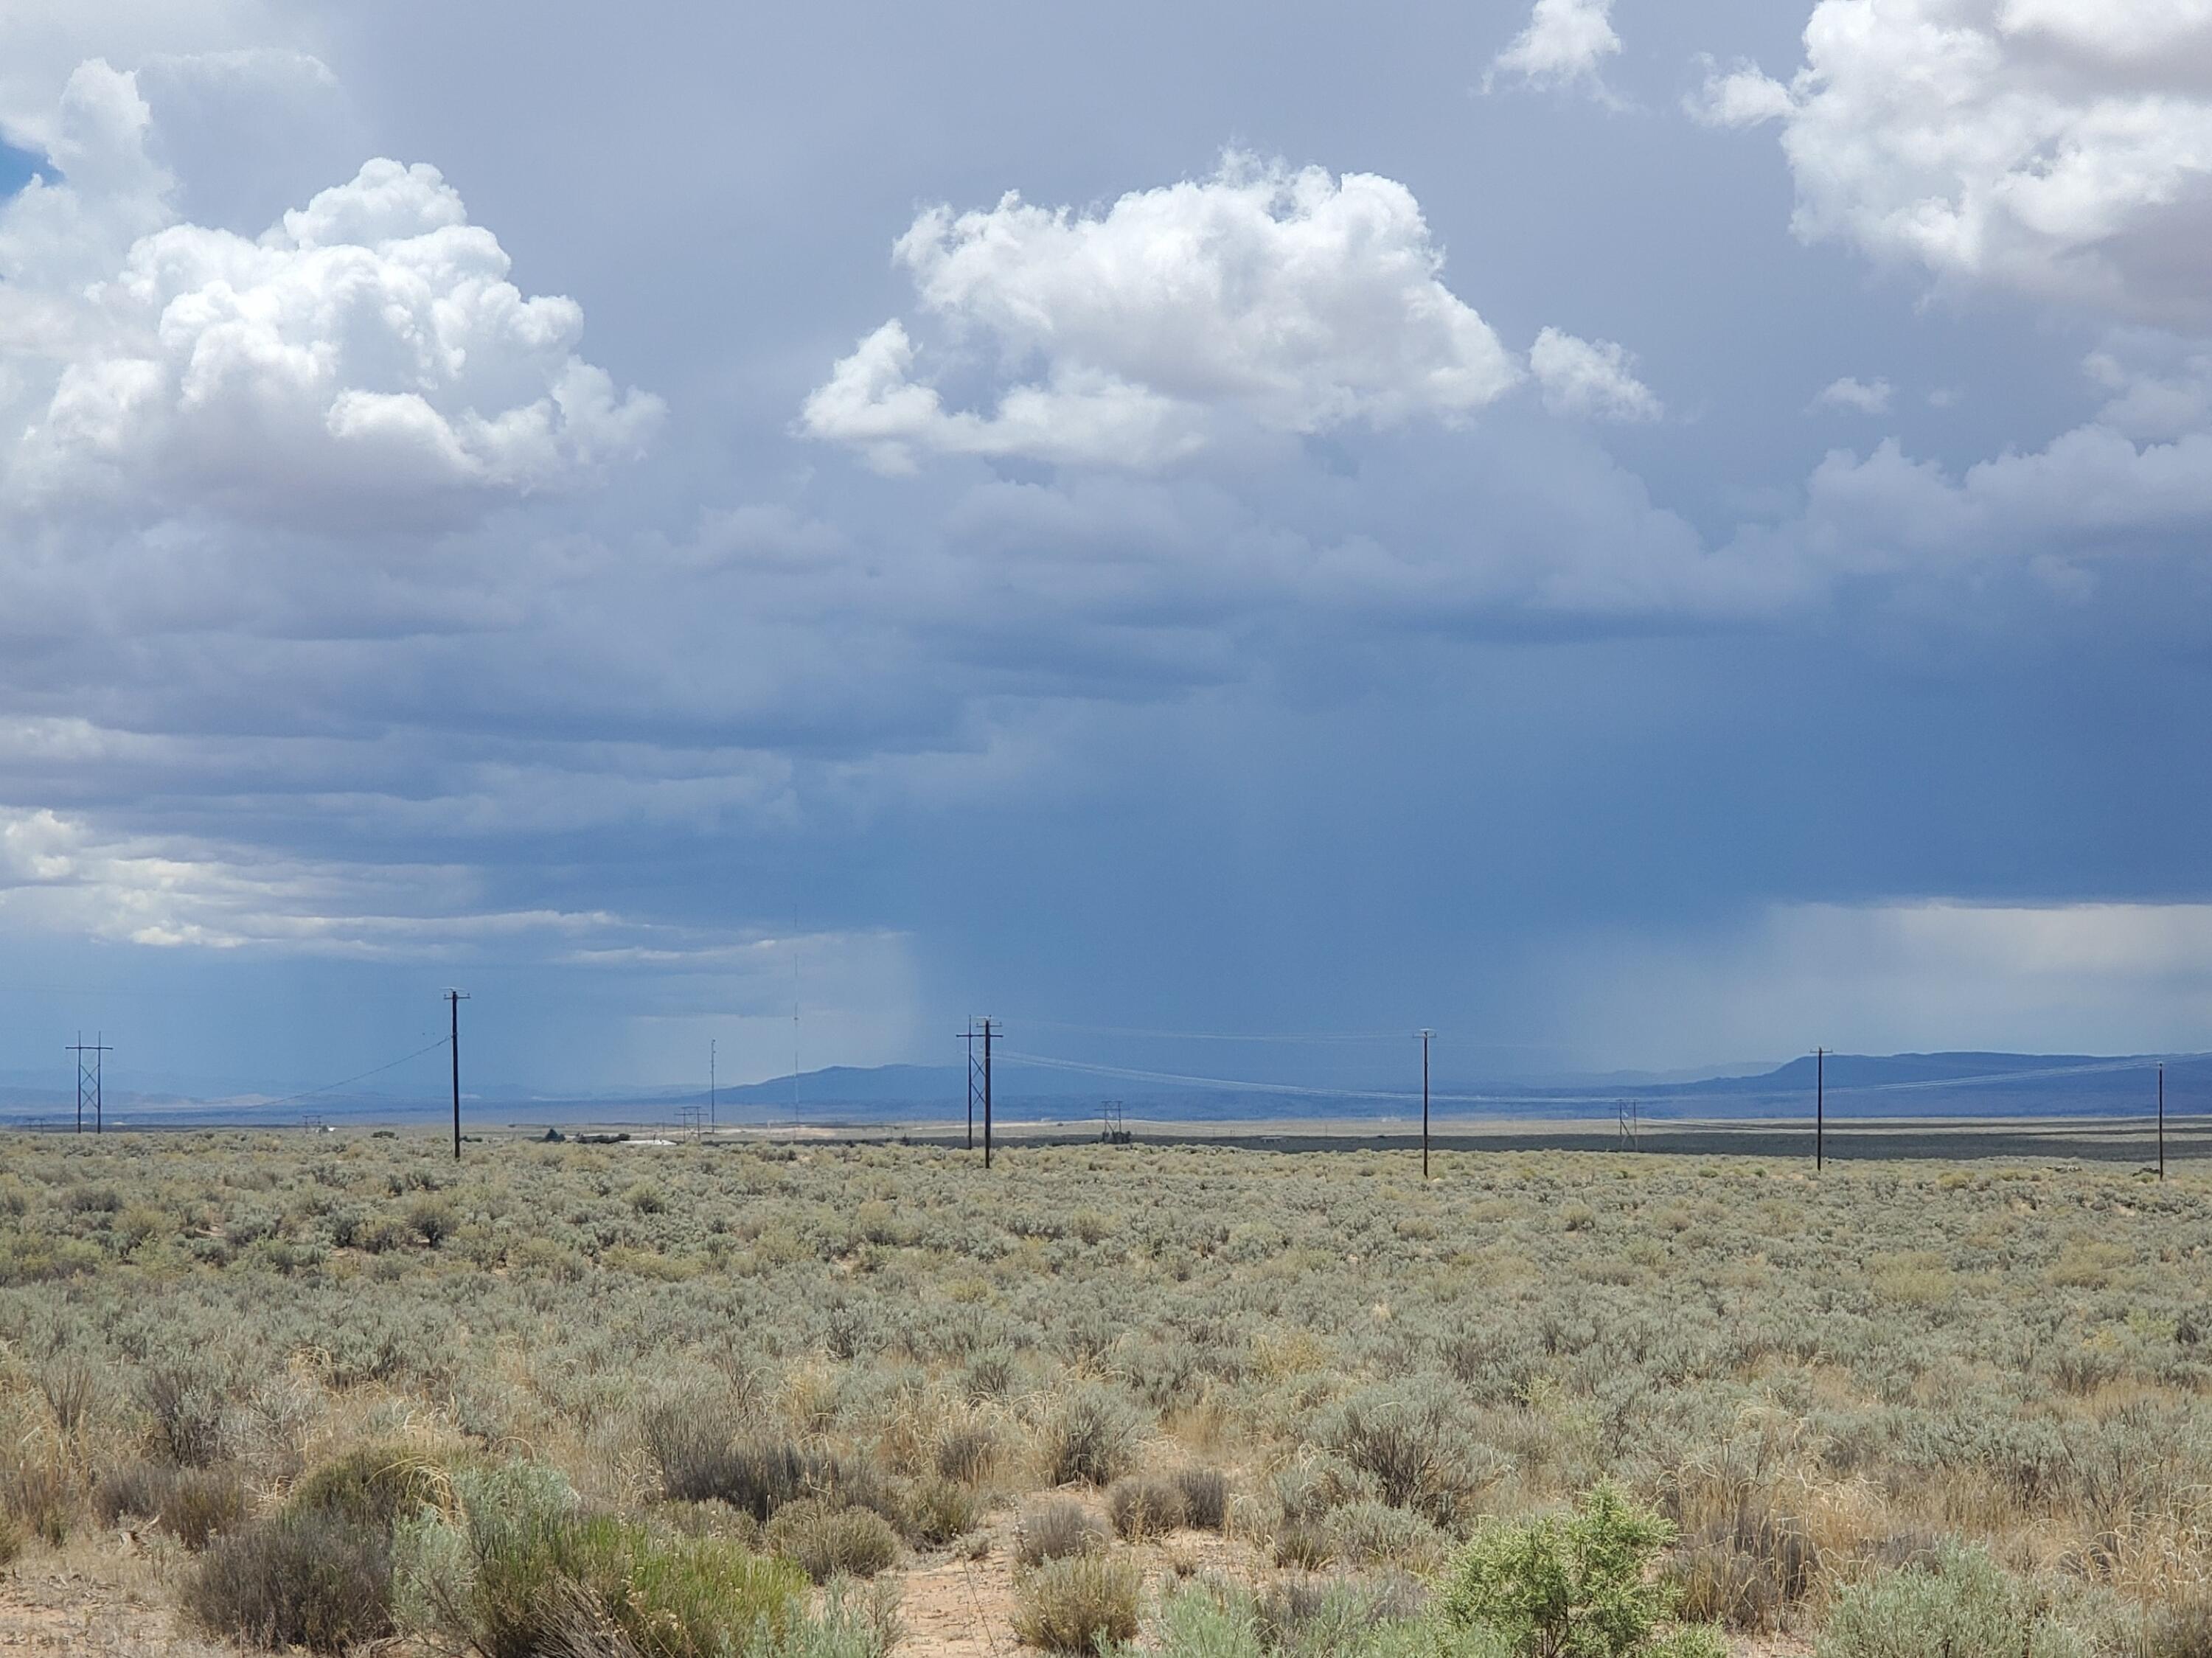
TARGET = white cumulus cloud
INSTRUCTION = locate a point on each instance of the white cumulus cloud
(1294, 301)
(367, 358)
(1860, 397)
(1565, 41)
(40, 44)
(2059, 148)
(2152, 390)
(1591, 378)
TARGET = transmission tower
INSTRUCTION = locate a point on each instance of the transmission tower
(88, 1056)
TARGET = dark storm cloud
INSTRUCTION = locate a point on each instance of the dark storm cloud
(1262, 618)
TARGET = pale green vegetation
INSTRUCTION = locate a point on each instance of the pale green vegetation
(693, 1401)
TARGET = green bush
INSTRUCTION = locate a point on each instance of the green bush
(513, 1570)
(857, 1620)
(499, 1511)
(376, 1487)
(1199, 1623)
(828, 1540)
(1957, 1603)
(432, 1218)
(1326, 1618)
(1577, 1585)
(668, 1596)
(1076, 1603)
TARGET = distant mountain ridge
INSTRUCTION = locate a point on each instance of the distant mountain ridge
(1943, 1085)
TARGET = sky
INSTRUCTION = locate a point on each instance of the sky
(1637, 537)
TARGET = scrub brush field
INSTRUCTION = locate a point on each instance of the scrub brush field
(340, 1393)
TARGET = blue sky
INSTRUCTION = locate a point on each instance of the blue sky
(1635, 536)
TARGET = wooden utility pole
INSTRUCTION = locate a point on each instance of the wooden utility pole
(1426, 1037)
(1820, 1108)
(2161, 1120)
(967, 1036)
(989, 1030)
(454, 1000)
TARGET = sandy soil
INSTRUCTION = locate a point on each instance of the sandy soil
(104, 1597)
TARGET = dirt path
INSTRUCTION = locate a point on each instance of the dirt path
(959, 1608)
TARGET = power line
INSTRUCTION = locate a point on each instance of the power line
(349, 1082)
(1388, 1095)
(1222, 1035)
(1130, 1074)
(2036, 1074)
